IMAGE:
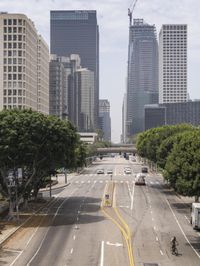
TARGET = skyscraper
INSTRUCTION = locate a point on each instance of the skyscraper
(104, 119)
(85, 99)
(173, 63)
(24, 60)
(72, 91)
(76, 32)
(142, 82)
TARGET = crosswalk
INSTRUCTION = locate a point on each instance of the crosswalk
(120, 174)
(115, 181)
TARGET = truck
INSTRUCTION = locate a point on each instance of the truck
(195, 215)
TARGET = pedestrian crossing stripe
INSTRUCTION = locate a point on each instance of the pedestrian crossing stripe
(115, 181)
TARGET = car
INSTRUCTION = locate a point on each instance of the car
(144, 169)
(100, 171)
(133, 159)
(140, 179)
(109, 171)
(127, 171)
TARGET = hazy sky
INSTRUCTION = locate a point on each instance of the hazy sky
(113, 26)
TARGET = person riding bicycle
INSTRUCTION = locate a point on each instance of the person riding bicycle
(174, 244)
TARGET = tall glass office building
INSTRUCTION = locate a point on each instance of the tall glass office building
(142, 82)
(76, 32)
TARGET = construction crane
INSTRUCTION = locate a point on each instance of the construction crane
(130, 11)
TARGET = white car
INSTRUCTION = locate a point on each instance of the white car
(140, 179)
(109, 171)
(127, 171)
(100, 171)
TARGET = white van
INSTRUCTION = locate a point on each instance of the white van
(195, 215)
(140, 179)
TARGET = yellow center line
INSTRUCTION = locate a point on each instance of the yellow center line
(125, 231)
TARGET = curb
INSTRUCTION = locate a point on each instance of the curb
(9, 235)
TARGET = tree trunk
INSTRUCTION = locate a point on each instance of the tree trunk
(196, 198)
(11, 212)
(25, 203)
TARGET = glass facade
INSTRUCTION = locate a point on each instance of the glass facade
(142, 85)
(76, 32)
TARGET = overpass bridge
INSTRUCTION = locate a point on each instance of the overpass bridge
(117, 149)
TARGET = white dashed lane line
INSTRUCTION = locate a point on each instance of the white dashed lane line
(161, 252)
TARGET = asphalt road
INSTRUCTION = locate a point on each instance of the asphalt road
(77, 228)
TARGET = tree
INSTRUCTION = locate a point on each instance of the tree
(167, 144)
(182, 168)
(149, 141)
(36, 143)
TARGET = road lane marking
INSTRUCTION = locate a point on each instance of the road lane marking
(126, 232)
(156, 238)
(152, 218)
(181, 228)
(16, 258)
(102, 254)
(187, 219)
(132, 196)
(114, 244)
(71, 251)
(161, 252)
(74, 237)
(123, 228)
(154, 228)
(50, 227)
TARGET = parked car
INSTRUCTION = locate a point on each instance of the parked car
(140, 179)
(144, 169)
(100, 171)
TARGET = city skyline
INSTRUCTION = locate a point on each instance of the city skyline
(113, 23)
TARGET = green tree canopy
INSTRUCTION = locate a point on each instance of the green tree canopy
(36, 143)
(167, 144)
(182, 168)
(149, 141)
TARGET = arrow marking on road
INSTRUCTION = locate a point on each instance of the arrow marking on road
(114, 244)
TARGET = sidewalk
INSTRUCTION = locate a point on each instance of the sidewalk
(8, 228)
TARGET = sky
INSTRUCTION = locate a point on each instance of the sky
(113, 24)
